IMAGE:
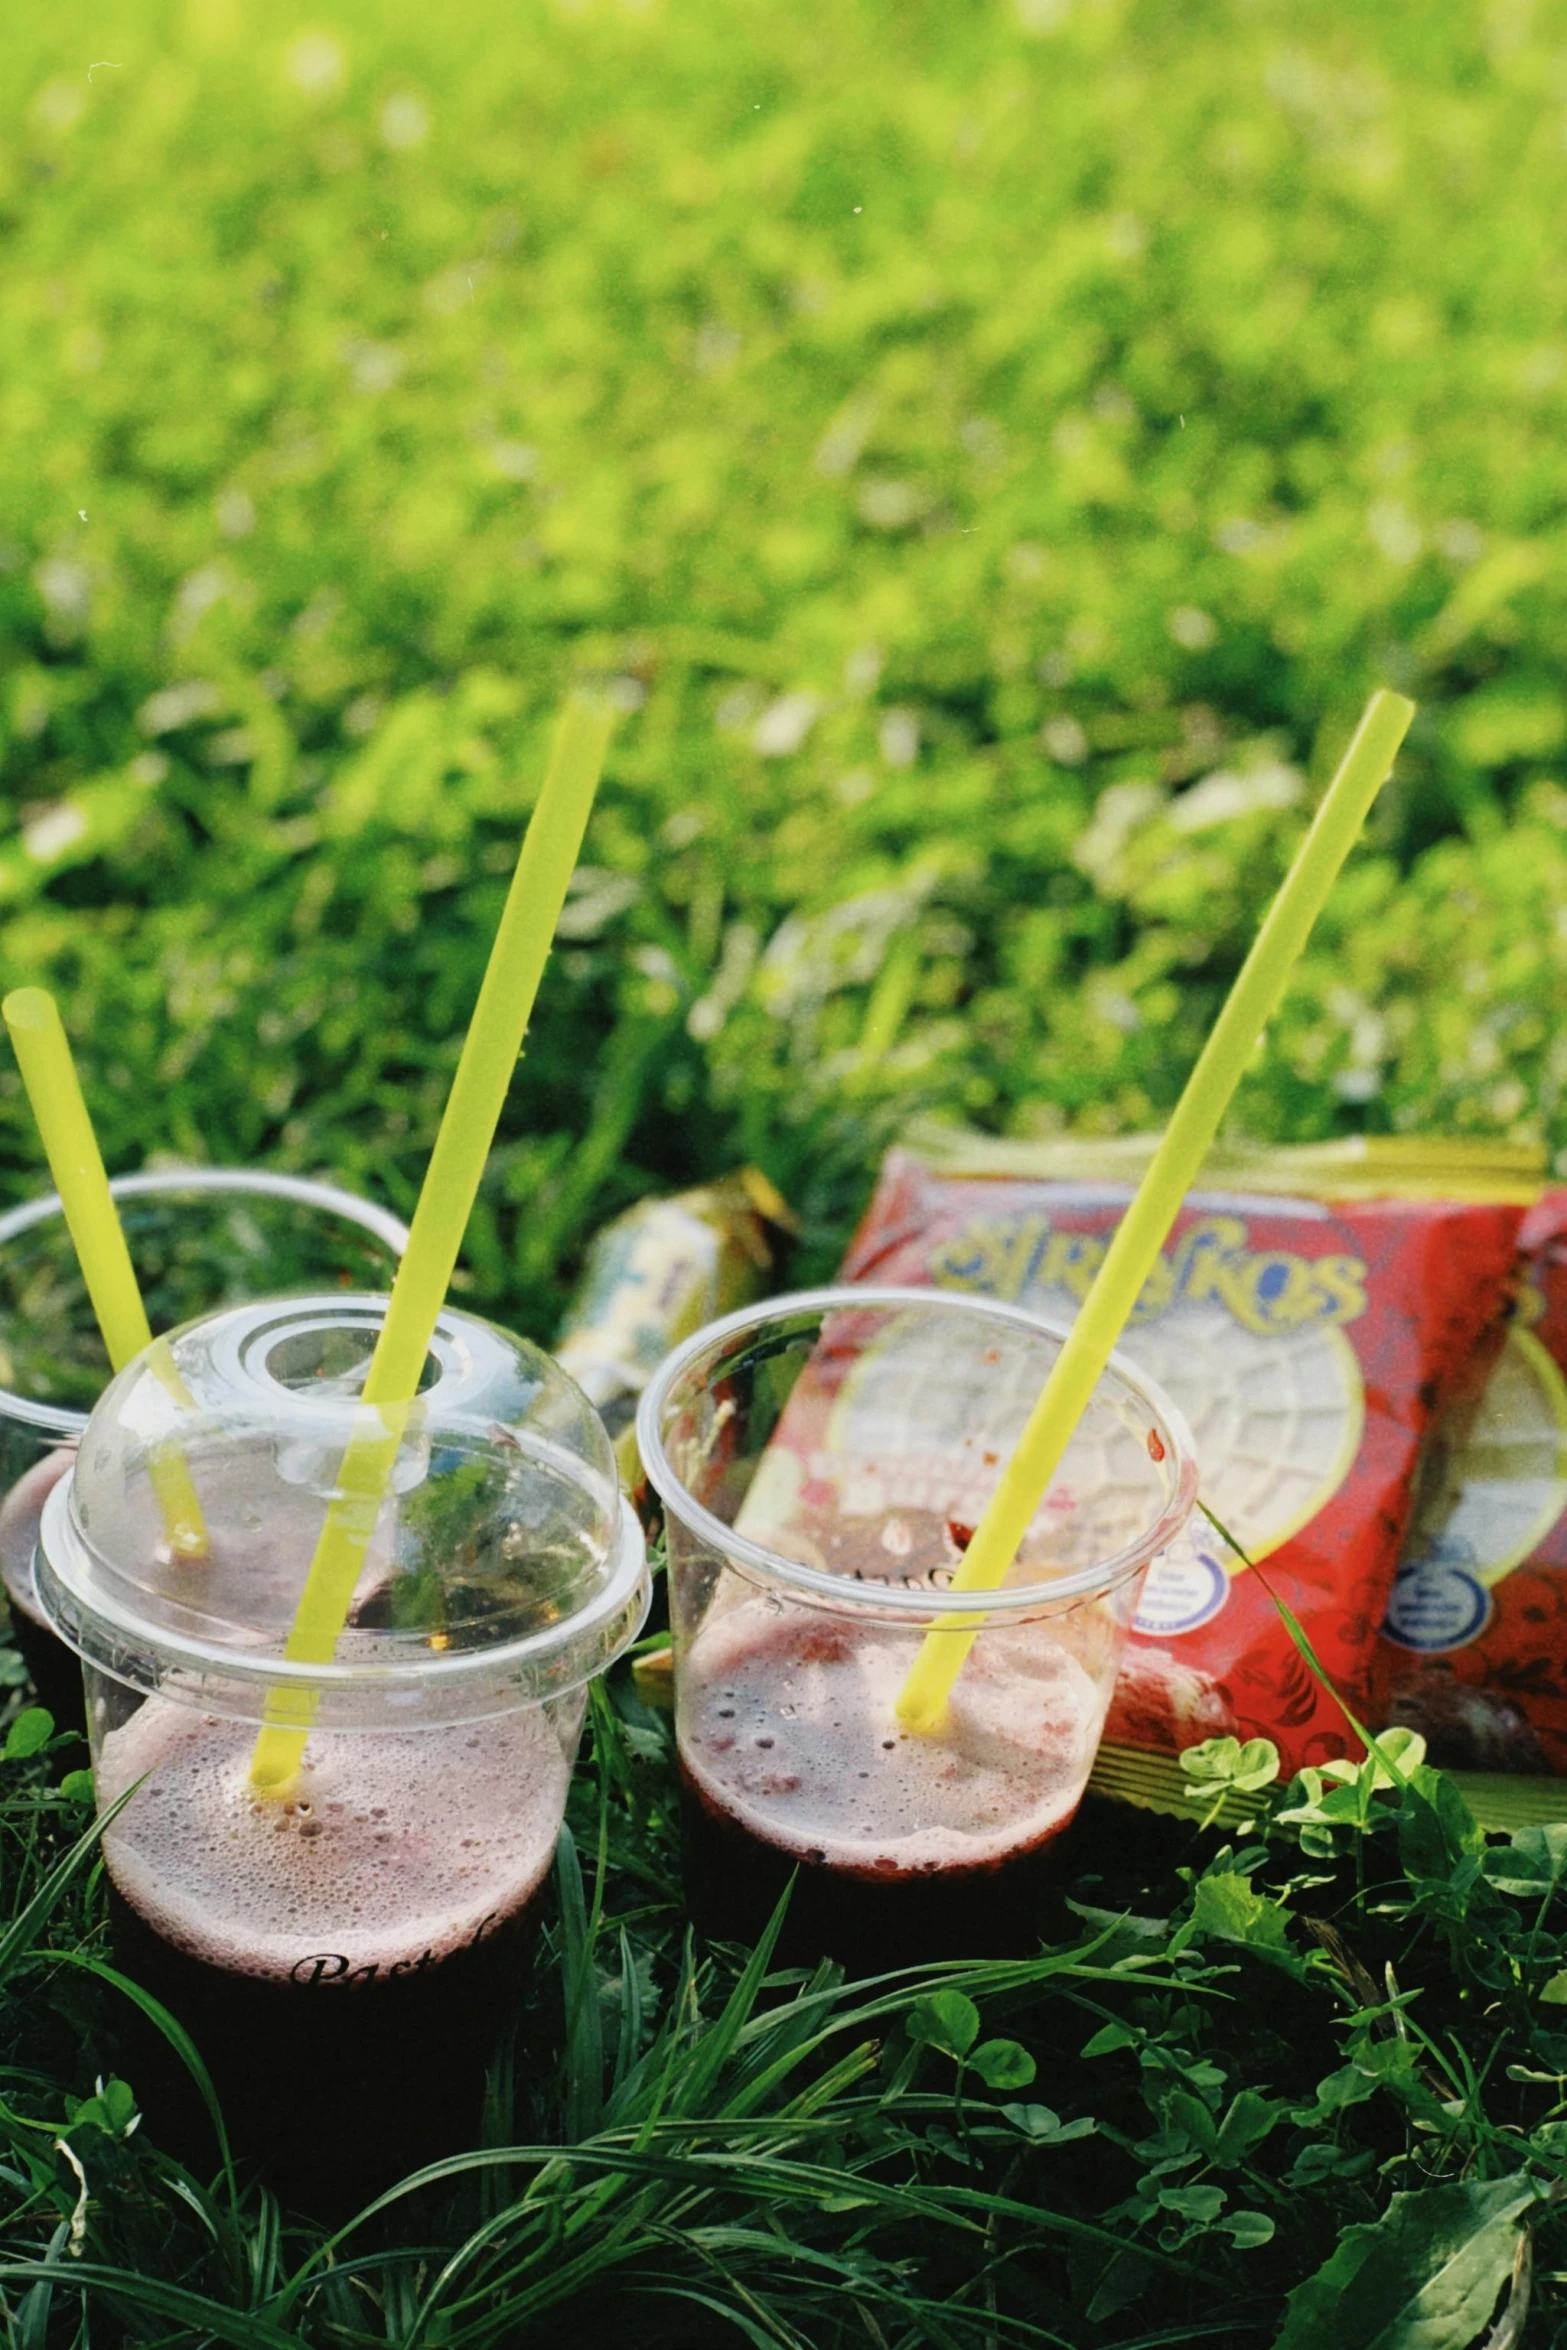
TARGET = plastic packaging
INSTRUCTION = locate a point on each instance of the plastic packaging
(1309, 1340)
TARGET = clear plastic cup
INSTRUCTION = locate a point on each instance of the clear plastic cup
(344, 1955)
(199, 1238)
(822, 1461)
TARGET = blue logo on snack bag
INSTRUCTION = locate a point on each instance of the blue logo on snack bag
(1437, 1603)
(1186, 1585)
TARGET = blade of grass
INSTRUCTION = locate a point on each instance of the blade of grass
(195, 2313)
(32, 2318)
(629, 1067)
(583, 2059)
(706, 2244)
(178, 2039)
(854, 2067)
(983, 1978)
(628, 2040)
(760, 2338)
(263, 2247)
(1307, 1653)
(714, 2049)
(16, 1943)
(497, 2121)
(781, 2181)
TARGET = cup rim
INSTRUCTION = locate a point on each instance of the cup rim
(62, 1425)
(124, 1635)
(1007, 1603)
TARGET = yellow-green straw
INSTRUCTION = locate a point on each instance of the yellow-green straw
(473, 1108)
(43, 1054)
(1143, 1229)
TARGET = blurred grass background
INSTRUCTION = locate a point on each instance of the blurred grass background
(989, 449)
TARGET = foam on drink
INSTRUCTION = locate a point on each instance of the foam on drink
(380, 1860)
(788, 1726)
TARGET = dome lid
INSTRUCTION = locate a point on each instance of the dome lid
(503, 1567)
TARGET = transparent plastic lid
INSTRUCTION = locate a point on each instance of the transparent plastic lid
(503, 1567)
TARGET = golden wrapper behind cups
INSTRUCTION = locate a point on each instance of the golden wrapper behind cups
(657, 1273)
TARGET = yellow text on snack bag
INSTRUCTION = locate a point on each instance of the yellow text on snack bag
(1268, 1291)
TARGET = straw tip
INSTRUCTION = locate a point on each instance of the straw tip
(1386, 704)
(917, 1714)
(588, 708)
(29, 1008)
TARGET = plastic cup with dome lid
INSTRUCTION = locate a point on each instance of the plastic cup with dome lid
(348, 1947)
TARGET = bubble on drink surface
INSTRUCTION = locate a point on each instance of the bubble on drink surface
(401, 1844)
(827, 1774)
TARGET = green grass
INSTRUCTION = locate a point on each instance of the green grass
(1152, 2133)
(1069, 399)
(955, 431)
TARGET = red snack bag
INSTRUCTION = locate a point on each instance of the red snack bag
(1474, 1649)
(1309, 1342)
